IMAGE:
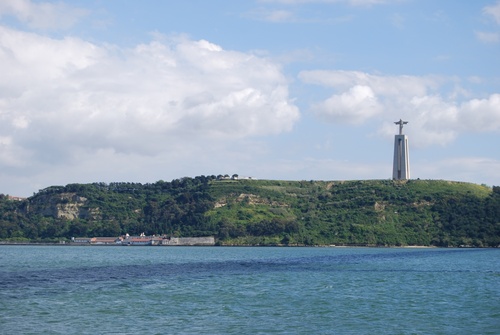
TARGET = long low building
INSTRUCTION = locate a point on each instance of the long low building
(208, 240)
(145, 240)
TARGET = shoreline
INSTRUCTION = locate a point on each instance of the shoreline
(2, 243)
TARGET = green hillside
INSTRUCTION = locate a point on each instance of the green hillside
(264, 212)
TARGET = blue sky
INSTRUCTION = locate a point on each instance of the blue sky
(149, 90)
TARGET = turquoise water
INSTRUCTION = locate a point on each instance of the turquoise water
(219, 290)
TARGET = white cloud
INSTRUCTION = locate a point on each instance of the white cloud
(42, 15)
(367, 2)
(488, 37)
(434, 117)
(442, 58)
(398, 20)
(494, 11)
(481, 114)
(384, 85)
(63, 96)
(354, 106)
(11, 154)
(294, 16)
(277, 16)
(433, 120)
(364, 3)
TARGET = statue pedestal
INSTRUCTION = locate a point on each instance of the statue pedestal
(401, 165)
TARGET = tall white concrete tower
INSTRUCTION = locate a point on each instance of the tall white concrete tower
(401, 165)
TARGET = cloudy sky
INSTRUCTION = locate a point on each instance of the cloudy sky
(141, 91)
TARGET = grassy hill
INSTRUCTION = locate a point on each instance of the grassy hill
(264, 212)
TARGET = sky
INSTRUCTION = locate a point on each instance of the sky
(141, 91)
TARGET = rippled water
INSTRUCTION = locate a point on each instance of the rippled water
(218, 290)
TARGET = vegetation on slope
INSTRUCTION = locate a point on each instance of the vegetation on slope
(264, 212)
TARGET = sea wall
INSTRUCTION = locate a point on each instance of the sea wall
(208, 240)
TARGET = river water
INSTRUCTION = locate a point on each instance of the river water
(248, 290)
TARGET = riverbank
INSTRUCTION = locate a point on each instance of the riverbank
(70, 244)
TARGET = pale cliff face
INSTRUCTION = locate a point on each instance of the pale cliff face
(64, 205)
